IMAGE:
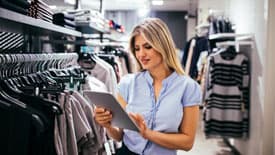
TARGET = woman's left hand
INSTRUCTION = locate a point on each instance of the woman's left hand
(143, 130)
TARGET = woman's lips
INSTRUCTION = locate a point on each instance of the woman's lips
(144, 61)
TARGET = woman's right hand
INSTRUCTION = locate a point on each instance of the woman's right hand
(103, 117)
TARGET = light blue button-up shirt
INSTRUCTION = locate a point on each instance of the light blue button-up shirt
(164, 115)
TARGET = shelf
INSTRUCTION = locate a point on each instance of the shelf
(19, 23)
(114, 35)
(233, 43)
(228, 35)
(89, 28)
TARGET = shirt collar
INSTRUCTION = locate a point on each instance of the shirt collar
(166, 81)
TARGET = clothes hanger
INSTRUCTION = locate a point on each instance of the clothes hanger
(28, 99)
(229, 53)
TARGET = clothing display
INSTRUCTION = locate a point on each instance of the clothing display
(64, 19)
(58, 119)
(40, 10)
(89, 17)
(220, 25)
(53, 50)
(226, 111)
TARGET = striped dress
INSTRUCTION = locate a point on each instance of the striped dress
(227, 97)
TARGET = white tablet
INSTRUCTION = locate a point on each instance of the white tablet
(120, 117)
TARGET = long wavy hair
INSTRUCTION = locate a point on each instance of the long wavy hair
(157, 34)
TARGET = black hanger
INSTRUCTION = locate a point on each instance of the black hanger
(87, 60)
(13, 91)
(229, 53)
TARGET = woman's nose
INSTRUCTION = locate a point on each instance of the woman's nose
(141, 52)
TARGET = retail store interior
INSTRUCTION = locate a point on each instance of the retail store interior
(51, 46)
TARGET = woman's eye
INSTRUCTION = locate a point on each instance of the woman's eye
(148, 47)
(136, 49)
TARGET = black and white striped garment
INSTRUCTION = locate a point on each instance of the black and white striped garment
(11, 42)
(227, 97)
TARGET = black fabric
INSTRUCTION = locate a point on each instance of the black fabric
(61, 16)
(124, 151)
(44, 138)
(17, 132)
(201, 45)
(185, 52)
(126, 60)
(64, 22)
(22, 3)
(43, 112)
(220, 26)
(13, 7)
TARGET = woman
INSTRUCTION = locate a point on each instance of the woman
(161, 99)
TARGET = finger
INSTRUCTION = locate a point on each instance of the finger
(99, 109)
(139, 119)
(106, 121)
(106, 113)
(104, 117)
(132, 115)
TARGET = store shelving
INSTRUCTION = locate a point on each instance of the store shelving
(18, 23)
(89, 28)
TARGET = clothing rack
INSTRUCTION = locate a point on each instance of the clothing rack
(21, 64)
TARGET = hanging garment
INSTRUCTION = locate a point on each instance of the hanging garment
(105, 73)
(201, 45)
(11, 42)
(227, 96)
(189, 58)
(39, 133)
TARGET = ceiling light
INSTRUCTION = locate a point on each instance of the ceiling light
(157, 2)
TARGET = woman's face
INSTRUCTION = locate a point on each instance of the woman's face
(149, 58)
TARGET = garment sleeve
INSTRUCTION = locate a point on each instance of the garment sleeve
(192, 94)
(123, 86)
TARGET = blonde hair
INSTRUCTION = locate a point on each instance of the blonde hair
(157, 34)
